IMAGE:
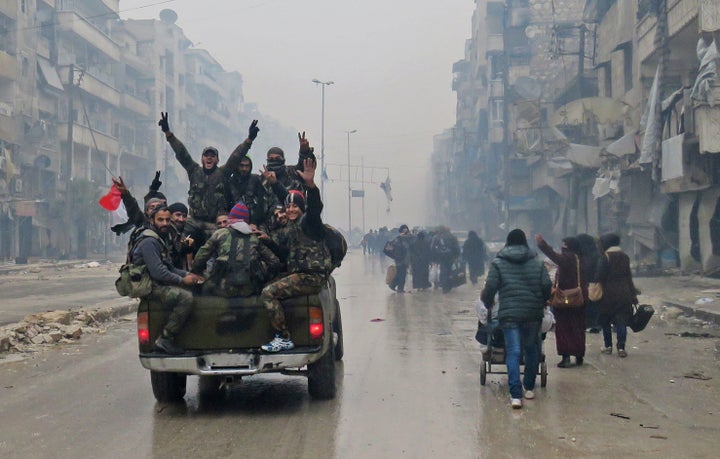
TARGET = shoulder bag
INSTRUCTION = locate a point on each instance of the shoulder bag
(570, 298)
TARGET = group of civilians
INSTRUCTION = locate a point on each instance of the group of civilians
(521, 281)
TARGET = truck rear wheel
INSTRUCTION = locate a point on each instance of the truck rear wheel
(168, 387)
(337, 329)
(321, 376)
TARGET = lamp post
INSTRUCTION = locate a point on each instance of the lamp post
(349, 187)
(322, 136)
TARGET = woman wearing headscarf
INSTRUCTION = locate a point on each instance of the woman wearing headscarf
(619, 293)
(474, 254)
(569, 322)
(420, 262)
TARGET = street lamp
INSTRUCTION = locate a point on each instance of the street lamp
(348, 180)
(322, 136)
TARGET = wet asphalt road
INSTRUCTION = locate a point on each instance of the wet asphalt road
(408, 387)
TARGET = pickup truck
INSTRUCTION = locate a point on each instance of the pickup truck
(223, 336)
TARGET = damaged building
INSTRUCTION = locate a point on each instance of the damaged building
(590, 116)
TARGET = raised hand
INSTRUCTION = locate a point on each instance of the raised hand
(155, 185)
(308, 172)
(163, 123)
(120, 184)
(269, 176)
(304, 142)
(253, 130)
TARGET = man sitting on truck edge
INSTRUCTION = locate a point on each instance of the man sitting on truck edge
(167, 281)
(240, 258)
(301, 245)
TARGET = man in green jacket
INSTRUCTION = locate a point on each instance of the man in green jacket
(523, 285)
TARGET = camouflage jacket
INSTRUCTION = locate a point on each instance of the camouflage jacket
(256, 257)
(301, 243)
(207, 195)
(250, 191)
(152, 250)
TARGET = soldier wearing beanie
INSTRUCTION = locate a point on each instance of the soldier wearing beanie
(277, 171)
(237, 254)
(300, 245)
(247, 187)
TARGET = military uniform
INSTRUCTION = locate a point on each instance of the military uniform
(300, 244)
(250, 190)
(248, 250)
(207, 195)
(153, 251)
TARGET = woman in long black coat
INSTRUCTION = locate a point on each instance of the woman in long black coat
(420, 262)
(589, 257)
(475, 255)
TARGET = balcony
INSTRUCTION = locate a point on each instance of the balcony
(112, 5)
(69, 21)
(208, 82)
(495, 44)
(9, 8)
(9, 128)
(680, 14)
(132, 103)
(136, 62)
(97, 88)
(218, 118)
(496, 133)
(83, 136)
(9, 67)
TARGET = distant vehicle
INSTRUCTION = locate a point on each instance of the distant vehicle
(223, 338)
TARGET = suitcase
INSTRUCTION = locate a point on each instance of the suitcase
(641, 316)
(390, 275)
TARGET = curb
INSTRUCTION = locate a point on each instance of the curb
(21, 268)
(700, 313)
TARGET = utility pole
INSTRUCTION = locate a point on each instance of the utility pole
(68, 172)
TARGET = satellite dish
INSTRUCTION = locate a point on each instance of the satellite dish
(168, 16)
(528, 88)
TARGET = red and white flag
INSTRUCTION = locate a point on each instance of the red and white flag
(112, 202)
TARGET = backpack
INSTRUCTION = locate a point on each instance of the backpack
(250, 270)
(336, 245)
(134, 280)
(395, 249)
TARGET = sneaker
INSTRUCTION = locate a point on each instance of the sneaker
(529, 394)
(167, 345)
(278, 344)
(606, 350)
(516, 403)
(622, 353)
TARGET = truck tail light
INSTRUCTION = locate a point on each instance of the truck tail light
(143, 331)
(316, 323)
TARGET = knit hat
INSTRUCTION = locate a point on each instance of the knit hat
(178, 207)
(210, 151)
(296, 197)
(152, 201)
(403, 228)
(276, 151)
(516, 237)
(239, 212)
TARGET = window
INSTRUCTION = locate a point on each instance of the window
(497, 111)
(628, 67)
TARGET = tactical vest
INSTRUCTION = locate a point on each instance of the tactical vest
(143, 233)
(247, 192)
(206, 196)
(306, 255)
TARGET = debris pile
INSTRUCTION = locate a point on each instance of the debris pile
(48, 328)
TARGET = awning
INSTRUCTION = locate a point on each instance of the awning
(584, 155)
(605, 109)
(625, 145)
(49, 74)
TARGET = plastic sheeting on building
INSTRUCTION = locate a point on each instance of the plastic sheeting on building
(672, 158)
(625, 145)
(584, 155)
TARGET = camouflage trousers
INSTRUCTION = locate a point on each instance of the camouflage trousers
(181, 302)
(286, 287)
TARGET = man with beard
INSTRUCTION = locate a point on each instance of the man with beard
(207, 195)
(182, 246)
(244, 186)
(152, 250)
(301, 245)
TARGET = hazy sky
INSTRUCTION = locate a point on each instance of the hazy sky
(391, 61)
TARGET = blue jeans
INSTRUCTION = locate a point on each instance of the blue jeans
(620, 322)
(527, 336)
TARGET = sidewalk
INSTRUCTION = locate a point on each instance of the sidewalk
(694, 295)
(11, 268)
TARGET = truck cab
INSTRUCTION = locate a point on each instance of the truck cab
(222, 339)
